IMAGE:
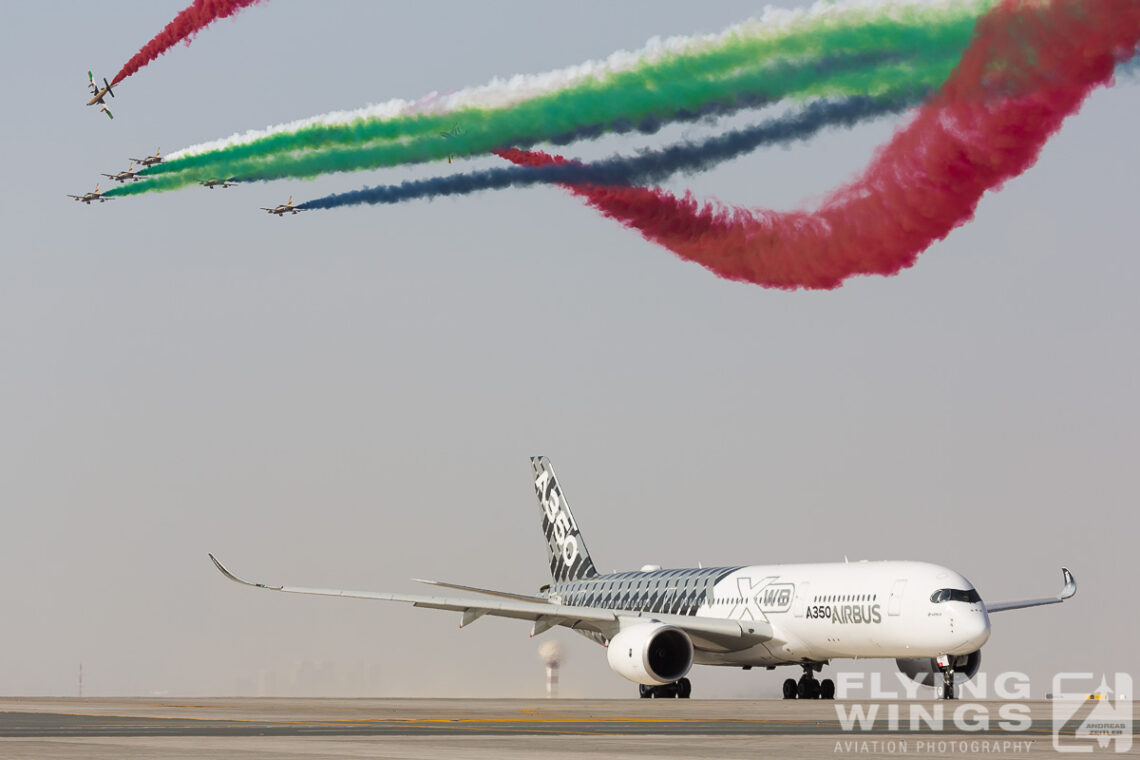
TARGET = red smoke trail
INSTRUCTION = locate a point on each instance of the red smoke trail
(186, 24)
(1030, 65)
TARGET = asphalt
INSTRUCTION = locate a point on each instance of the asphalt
(266, 728)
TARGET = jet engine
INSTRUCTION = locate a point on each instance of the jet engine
(925, 670)
(651, 654)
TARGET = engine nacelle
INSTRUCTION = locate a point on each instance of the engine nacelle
(925, 670)
(652, 654)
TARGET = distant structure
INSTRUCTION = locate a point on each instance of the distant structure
(551, 654)
(81, 679)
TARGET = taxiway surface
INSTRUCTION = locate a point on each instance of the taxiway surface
(424, 728)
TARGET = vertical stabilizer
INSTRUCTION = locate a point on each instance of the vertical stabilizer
(565, 549)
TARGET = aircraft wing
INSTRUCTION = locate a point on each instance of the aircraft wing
(487, 591)
(718, 634)
(1067, 591)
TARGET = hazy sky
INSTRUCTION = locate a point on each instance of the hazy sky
(349, 398)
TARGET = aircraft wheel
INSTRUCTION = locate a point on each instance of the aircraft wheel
(790, 689)
(808, 688)
(684, 688)
(827, 689)
(643, 691)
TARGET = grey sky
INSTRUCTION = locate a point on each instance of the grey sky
(349, 398)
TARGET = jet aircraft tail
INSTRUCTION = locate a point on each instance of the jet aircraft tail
(565, 549)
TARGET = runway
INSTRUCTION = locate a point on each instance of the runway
(266, 728)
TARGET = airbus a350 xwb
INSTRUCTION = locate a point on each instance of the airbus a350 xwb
(656, 624)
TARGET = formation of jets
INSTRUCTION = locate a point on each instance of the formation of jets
(94, 195)
(98, 94)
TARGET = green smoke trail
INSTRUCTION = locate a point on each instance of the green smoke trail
(912, 28)
(803, 63)
(494, 129)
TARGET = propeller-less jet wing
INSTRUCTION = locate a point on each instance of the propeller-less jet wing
(717, 634)
(1067, 591)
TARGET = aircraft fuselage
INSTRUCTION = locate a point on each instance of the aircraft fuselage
(817, 611)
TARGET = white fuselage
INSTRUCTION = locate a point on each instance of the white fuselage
(817, 612)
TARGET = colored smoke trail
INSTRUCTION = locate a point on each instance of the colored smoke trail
(1043, 59)
(191, 20)
(808, 58)
(825, 30)
(645, 167)
(533, 122)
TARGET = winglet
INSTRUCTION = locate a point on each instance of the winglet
(235, 579)
(1070, 588)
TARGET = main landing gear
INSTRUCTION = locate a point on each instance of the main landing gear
(677, 690)
(808, 687)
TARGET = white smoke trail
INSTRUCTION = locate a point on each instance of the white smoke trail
(500, 93)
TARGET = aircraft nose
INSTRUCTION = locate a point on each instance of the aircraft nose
(972, 629)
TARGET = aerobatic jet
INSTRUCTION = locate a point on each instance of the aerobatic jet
(656, 624)
(151, 160)
(284, 208)
(222, 183)
(130, 174)
(97, 94)
(453, 132)
(95, 195)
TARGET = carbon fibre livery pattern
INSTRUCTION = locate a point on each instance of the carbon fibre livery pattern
(565, 550)
(674, 592)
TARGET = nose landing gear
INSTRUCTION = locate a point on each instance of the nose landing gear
(946, 665)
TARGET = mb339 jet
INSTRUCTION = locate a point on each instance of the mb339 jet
(98, 94)
(94, 195)
(453, 132)
(130, 174)
(222, 183)
(151, 160)
(656, 624)
(284, 208)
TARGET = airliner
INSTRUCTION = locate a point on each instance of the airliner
(656, 624)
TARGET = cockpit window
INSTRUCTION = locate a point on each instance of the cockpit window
(955, 595)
